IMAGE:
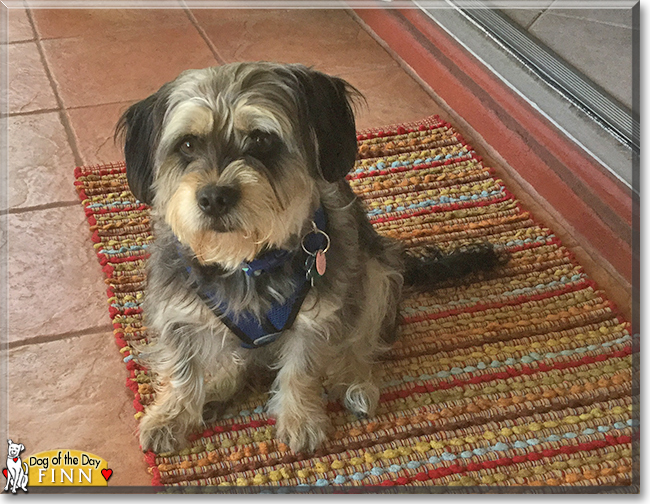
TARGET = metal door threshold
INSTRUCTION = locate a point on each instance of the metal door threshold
(556, 73)
(603, 127)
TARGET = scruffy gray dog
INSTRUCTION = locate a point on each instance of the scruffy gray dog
(263, 258)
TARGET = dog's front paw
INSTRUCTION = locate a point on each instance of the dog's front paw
(161, 437)
(302, 434)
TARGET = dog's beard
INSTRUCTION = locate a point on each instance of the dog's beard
(259, 220)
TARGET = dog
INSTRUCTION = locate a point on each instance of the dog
(263, 257)
(16, 471)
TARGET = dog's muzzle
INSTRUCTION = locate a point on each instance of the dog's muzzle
(217, 201)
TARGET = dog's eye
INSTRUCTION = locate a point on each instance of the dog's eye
(262, 141)
(187, 146)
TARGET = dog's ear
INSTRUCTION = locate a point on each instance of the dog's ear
(140, 128)
(21, 446)
(327, 111)
(9, 441)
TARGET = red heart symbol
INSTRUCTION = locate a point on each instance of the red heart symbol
(4, 472)
(15, 459)
(107, 473)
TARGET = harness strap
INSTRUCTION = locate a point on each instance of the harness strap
(252, 331)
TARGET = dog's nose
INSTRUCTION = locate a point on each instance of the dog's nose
(215, 200)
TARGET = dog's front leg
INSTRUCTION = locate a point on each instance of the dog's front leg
(296, 400)
(176, 412)
(13, 474)
(223, 381)
(176, 358)
(298, 407)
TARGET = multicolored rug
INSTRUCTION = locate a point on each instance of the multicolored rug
(522, 378)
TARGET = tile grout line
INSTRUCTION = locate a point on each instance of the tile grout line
(14, 42)
(45, 206)
(49, 110)
(31, 24)
(33, 112)
(36, 340)
(203, 34)
(65, 120)
(534, 20)
(544, 11)
(591, 20)
(119, 102)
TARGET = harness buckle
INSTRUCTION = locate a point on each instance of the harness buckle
(267, 338)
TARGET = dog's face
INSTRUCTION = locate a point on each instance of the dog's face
(14, 449)
(232, 157)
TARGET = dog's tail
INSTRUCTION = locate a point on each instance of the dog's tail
(434, 268)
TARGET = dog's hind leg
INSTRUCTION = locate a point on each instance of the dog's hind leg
(23, 478)
(362, 393)
(352, 376)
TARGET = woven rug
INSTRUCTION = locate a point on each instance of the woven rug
(522, 378)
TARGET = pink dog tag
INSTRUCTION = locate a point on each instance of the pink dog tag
(321, 262)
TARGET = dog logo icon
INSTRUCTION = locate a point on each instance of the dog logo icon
(16, 471)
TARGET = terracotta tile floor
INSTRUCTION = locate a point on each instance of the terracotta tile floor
(71, 74)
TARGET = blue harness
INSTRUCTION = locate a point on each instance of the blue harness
(252, 331)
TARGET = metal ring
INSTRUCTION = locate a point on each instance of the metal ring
(317, 231)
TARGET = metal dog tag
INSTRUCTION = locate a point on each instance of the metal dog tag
(321, 262)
